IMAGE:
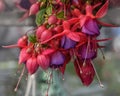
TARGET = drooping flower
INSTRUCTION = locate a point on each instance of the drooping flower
(67, 36)
(67, 43)
(88, 51)
(88, 22)
(86, 73)
(57, 59)
(91, 27)
(62, 36)
(24, 5)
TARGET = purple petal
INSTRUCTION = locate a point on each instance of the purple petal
(67, 43)
(57, 59)
(25, 4)
(89, 53)
(91, 27)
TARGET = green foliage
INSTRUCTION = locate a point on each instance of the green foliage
(60, 15)
(49, 10)
(40, 17)
(32, 38)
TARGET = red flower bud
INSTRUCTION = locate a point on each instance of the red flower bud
(47, 34)
(39, 31)
(24, 55)
(32, 65)
(43, 61)
(34, 9)
(52, 20)
(58, 29)
(22, 42)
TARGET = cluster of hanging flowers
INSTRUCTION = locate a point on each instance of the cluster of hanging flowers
(66, 31)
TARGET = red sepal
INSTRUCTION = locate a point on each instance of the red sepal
(73, 20)
(48, 51)
(106, 24)
(85, 72)
(66, 25)
(62, 68)
(74, 36)
(96, 5)
(103, 10)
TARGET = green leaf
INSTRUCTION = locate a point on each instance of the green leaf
(49, 10)
(42, 1)
(60, 15)
(40, 17)
(32, 38)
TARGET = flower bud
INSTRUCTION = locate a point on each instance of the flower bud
(32, 65)
(52, 20)
(39, 31)
(24, 55)
(43, 61)
(58, 29)
(34, 9)
(22, 42)
(47, 34)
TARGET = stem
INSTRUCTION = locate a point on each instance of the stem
(102, 53)
(88, 46)
(77, 61)
(22, 73)
(10, 46)
(101, 85)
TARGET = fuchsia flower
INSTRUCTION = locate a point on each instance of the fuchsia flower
(88, 21)
(24, 5)
(62, 36)
(67, 43)
(86, 73)
(57, 59)
(88, 51)
(69, 38)
(91, 27)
